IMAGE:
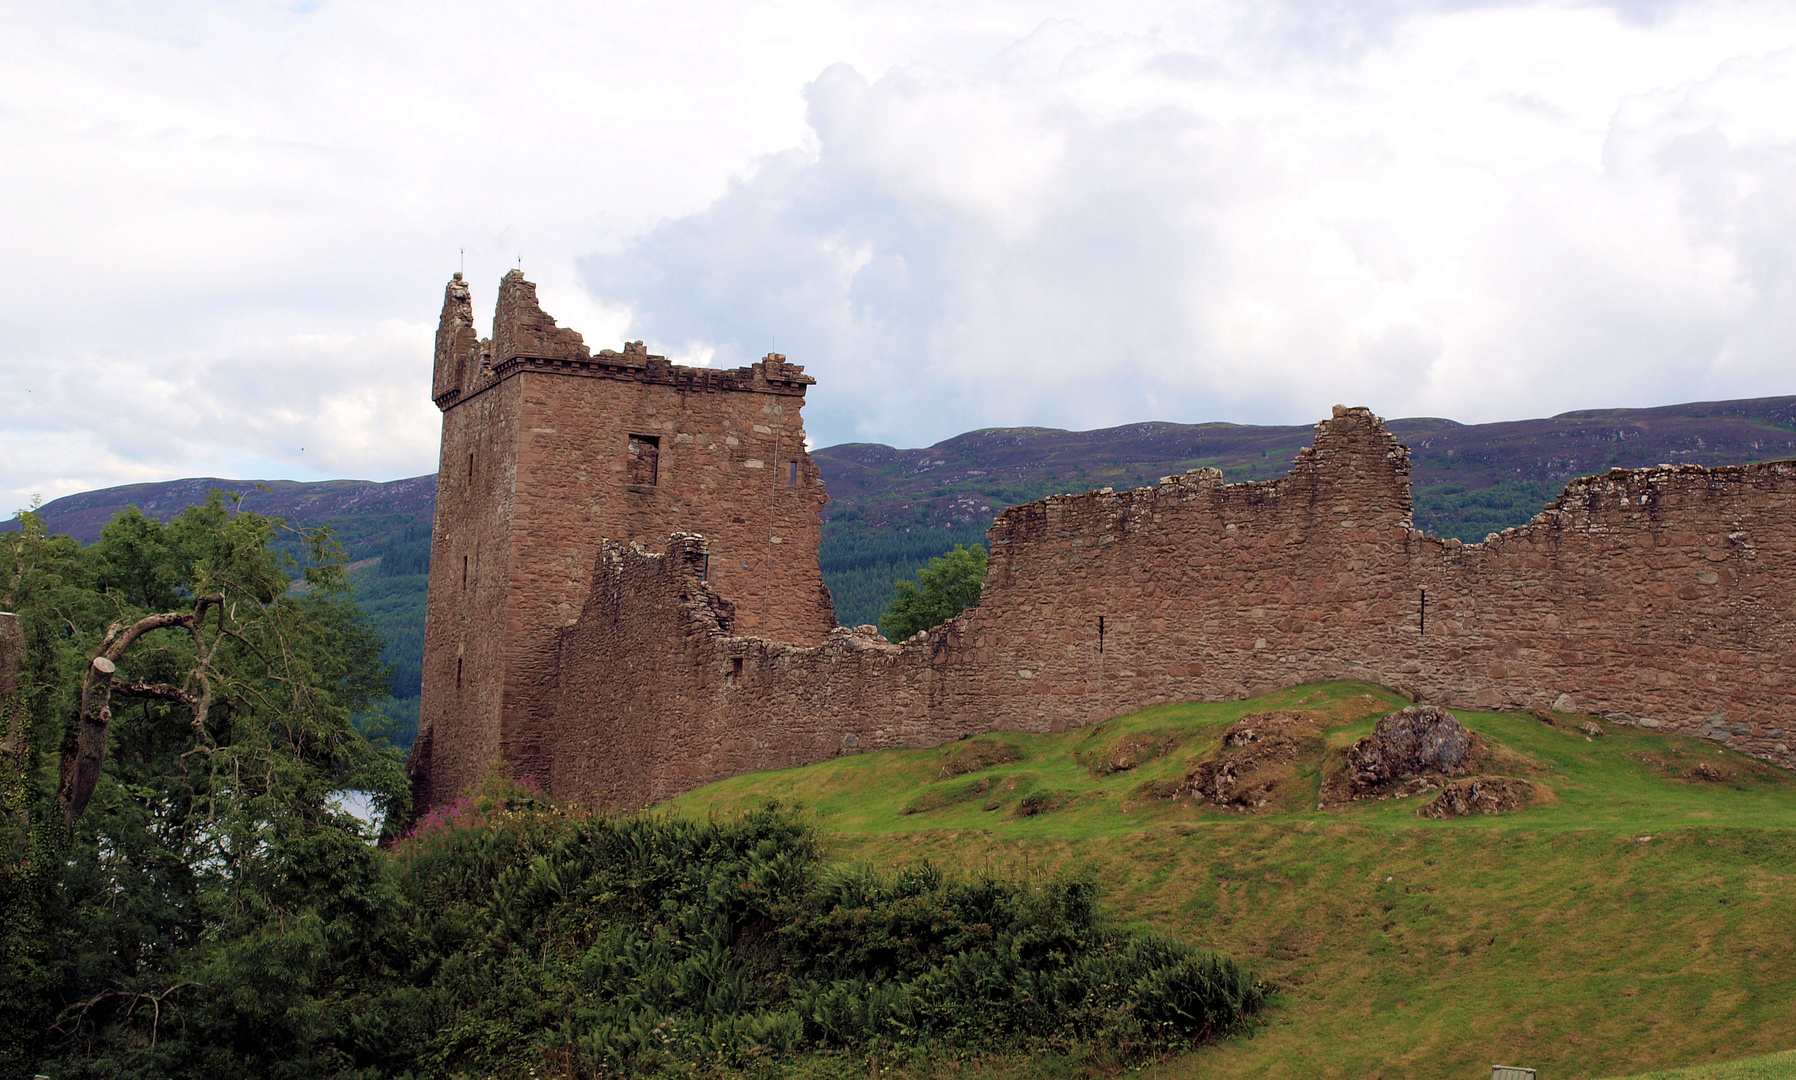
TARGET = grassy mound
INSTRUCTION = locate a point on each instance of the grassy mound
(1637, 913)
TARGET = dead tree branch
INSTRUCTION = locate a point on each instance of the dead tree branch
(81, 767)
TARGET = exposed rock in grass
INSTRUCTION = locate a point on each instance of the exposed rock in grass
(1704, 773)
(1039, 802)
(971, 757)
(1418, 740)
(1592, 729)
(1128, 752)
(1693, 764)
(1411, 752)
(1255, 767)
(1479, 795)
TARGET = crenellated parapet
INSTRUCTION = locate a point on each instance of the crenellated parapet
(526, 338)
(457, 344)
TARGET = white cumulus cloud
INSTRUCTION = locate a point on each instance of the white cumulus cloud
(1484, 213)
(228, 225)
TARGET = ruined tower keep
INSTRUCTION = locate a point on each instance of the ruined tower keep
(548, 451)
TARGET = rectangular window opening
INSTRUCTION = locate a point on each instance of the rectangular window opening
(464, 571)
(792, 477)
(470, 468)
(458, 673)
(735, 667)
(1100, 633)
(645, 459)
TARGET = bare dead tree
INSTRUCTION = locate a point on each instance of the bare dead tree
(81, 768)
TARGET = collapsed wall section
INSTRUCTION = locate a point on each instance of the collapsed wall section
(1666, 597)
(660, 696)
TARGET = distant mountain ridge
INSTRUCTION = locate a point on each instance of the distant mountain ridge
(1553, 449)
(972, 477)
(305, 504)
(891, 510)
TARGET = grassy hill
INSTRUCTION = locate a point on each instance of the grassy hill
(1640, 915)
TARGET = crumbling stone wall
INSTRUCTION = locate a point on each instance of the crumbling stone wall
(1665, 597)
(548, 450)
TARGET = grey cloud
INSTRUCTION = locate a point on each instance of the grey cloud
(1157, 265)
(924, 316)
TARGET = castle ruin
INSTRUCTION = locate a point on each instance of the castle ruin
(548, 450)
(631, 632)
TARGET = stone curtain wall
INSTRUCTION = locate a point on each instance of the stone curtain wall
(1666, 596)
(1662, 596)
(659, 697)
(543, 460)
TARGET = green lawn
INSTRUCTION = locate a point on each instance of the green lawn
(1632, 920)
(1780, 1066)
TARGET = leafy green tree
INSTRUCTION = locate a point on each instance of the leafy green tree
(181, 895)
(181, 885)
(946, 587)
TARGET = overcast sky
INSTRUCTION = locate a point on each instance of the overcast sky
(226, 226)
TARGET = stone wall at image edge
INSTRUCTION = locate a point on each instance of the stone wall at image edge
(1661, 597)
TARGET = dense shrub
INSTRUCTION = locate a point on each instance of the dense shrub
(618, 945)
(509, 936)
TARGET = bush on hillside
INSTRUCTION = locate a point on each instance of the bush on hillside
(501, 940)
(609, 946)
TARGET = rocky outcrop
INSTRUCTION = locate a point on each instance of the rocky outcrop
(1411, 742)
(1255, 767)
(1479, 795)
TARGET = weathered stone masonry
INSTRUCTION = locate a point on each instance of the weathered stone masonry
(549, 449)
(567, 632)
(1664, 596)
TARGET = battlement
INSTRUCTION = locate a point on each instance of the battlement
(526, 338)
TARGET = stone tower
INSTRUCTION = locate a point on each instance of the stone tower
(548, 450)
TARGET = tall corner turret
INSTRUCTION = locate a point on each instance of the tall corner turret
(456, 341)
(522, 330)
